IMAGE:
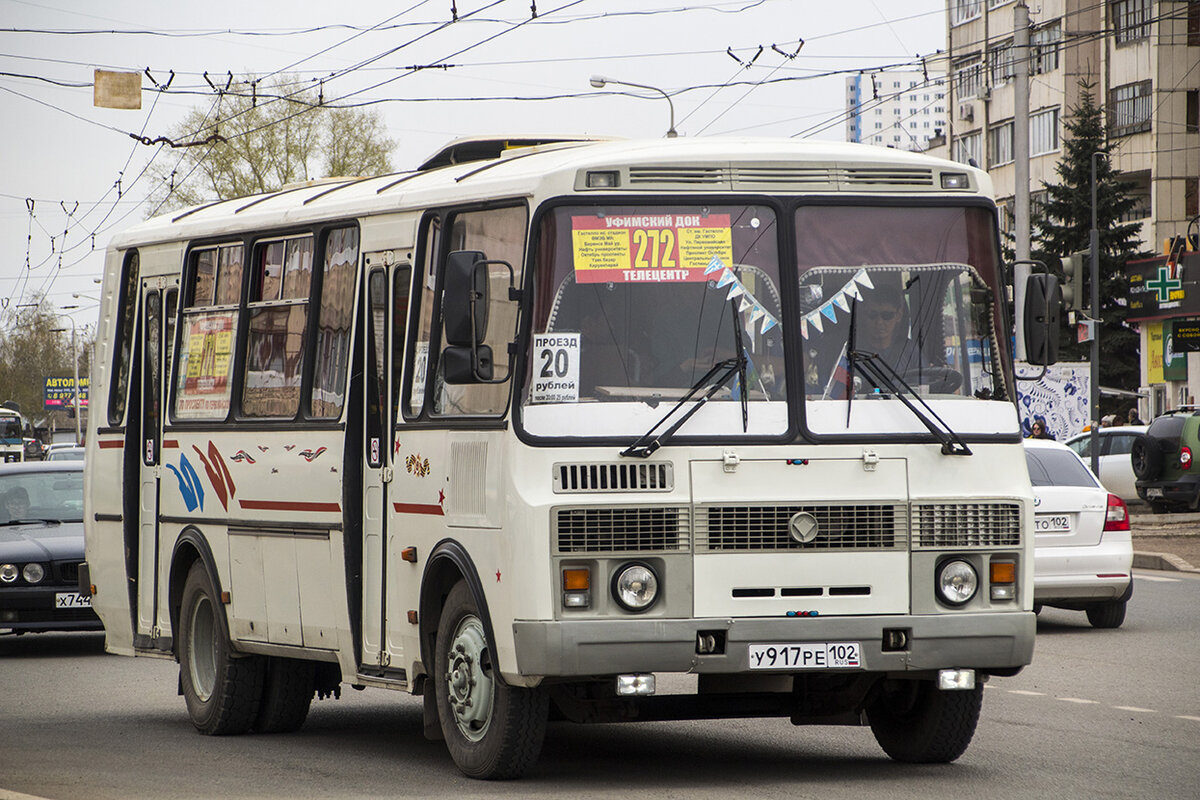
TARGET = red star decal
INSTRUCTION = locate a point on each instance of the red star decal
(396, 447)
(497, 576)
(441, 497)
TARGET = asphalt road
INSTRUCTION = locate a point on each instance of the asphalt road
(1099, 714)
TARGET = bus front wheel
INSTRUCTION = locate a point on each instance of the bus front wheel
(917, 723)
(222, 691)
(492, 730)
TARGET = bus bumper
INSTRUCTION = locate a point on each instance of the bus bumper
(566, 648)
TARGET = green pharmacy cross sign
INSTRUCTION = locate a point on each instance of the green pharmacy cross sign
(1164, 284)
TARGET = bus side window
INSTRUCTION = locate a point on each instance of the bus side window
(500, 233)
(213, 288)
(274, 356)
(123, 347)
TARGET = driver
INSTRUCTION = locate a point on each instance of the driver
(883, 330)
(16, 503)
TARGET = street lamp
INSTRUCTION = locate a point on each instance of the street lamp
(599, 81)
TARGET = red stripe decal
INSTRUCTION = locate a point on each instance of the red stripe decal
(170, 444)
(290, 505)
(418, 508)
(109, 444)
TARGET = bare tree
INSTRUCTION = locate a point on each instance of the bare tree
(269, 138)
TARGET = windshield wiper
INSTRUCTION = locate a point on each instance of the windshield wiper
(880, 372)
(642, 448)
(645, 445)
(27, 520)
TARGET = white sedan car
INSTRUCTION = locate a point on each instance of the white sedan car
(1083, 549)
(1116, 470)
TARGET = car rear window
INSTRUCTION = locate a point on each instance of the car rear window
(1057, 468)
(1168, 429)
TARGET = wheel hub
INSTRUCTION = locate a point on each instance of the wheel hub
(469, 682)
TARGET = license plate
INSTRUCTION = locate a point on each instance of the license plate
(72, 600)
(1051, 523)
(809, 655)
(1154, 492)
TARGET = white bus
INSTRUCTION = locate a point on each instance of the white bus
(609, 431)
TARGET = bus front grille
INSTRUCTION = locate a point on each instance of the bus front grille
(622, 529)
(652, 476)
(956, 525)
(838, 527)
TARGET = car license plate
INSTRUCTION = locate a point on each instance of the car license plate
(808, 655)
(1154, 491)
(1051, 523)
(72, 600)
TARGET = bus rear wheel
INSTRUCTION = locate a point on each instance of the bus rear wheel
(288, 688)
(492, 730)
(917, 723)
(222, 691)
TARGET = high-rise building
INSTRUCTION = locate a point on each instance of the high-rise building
(895, 109)
(1141, 59)
(1141, 62)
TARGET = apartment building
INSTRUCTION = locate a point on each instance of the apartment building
(903, 110)
(1142, 58)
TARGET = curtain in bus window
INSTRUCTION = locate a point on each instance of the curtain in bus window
(333, 325)
(500, 235)
(274, 357)
(205, 279)
(297, 276)
(229, 276)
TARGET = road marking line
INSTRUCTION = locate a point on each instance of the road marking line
(1135, 708)
(1185, 716)
(1156, 578)
(1078, 700)
(1022, 691)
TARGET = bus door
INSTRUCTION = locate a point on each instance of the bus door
(384, 345)
(157, 308)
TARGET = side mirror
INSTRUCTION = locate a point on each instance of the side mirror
(1043, 308)
(467, 364)
(465, 298)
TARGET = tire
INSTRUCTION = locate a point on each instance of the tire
(222, 691)
(288, 689)
(916, 723)
(1146, 458)
(492, 730)
(1107, 615)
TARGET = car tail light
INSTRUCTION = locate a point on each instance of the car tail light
(1117, 516)
(1185, 457)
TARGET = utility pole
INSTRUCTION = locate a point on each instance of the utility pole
(1021, 167)
(1094, 247)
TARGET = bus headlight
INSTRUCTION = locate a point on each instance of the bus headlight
(9, 573)
(957, 582)
(33, 573)
(635, 587)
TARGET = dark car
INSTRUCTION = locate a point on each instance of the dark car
(41, 548)
(1162, 461)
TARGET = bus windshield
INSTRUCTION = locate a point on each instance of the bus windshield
(10, 429)
(901, 307)
(635, 304)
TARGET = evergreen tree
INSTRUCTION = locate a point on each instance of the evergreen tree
(1063, 226)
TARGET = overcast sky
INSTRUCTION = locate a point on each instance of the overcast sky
(66, 156)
